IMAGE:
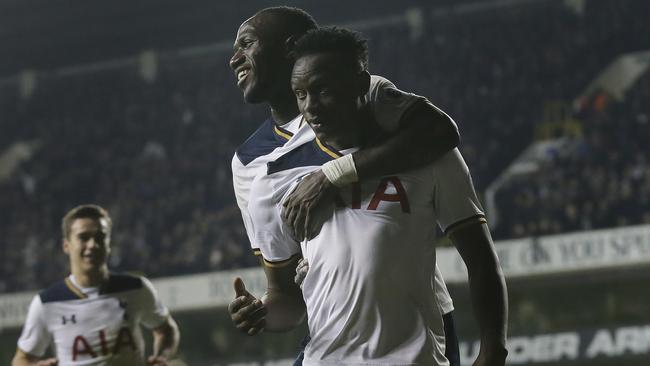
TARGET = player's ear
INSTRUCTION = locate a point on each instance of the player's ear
(290, 44)
(363, 82)
(66, 246)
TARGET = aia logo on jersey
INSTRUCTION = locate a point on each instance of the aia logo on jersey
(81, 346)
(382, 193)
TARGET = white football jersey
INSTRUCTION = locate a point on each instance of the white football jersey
(93, 326)
(370, 292)
(269, 142)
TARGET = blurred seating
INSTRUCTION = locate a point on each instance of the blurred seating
(157, 154)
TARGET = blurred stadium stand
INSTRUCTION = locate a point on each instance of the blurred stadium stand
(149, 135)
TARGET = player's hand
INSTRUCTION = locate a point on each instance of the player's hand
(301, 272)
(156, 361)
(313, 192)
(247, 312)
(48, 362)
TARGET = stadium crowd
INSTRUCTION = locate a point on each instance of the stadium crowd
(602, 181)
(157, 152)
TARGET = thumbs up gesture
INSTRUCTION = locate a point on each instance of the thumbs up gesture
(247, 312)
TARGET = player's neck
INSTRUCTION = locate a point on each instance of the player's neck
(358, 132)
(283, 108)
(91, 278)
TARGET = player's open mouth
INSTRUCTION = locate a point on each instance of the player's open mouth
(317, 124)
(91, 258)
(241, 75)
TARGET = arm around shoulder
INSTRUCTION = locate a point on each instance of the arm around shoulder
(424, 135)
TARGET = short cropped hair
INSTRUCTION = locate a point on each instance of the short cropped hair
(295, 21)
(345, 42)
(87, 211)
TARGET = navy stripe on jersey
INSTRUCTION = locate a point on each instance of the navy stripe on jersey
(282, 263)
(312, 153)
(480, 219)
(59, 291)
(121, 283)
(64, 290)
(267, 138)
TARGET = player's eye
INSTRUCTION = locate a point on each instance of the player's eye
(300, 94)
(245, 44)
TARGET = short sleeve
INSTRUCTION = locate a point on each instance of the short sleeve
(154, 313)
(455, 200)
(35, 337)
(241, 181)
(273, 237)
(388, 103)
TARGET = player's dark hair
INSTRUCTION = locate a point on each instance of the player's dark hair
(345, 42)
(87, 211)
(295, 21)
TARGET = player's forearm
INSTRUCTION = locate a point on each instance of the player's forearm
(166, 339)
(23, 359)
(285, 311)
(490, 304)
(426, 135)
(488, 290)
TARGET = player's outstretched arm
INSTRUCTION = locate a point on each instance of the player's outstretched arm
(280, 309)
(425, 134)
(488, 290)
(165, 342)
(22, 358)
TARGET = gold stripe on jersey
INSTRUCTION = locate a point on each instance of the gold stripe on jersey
(279, 264)
(74, 289)
(257, 251)
(282, 132)
(327, 150)
(478, 219)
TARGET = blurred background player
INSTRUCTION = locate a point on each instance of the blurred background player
(262, 65)
(94, 316)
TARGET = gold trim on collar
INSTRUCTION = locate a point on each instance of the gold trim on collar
(327, 150)
(74, 289)
(286, 134)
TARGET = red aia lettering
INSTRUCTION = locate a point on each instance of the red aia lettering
(80, 341)
(124, 338)
(381, 195)
(102, 342)
(81, 346)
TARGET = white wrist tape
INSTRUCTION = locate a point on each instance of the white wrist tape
(341, 171)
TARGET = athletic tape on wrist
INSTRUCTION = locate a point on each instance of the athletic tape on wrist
(341, 171)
